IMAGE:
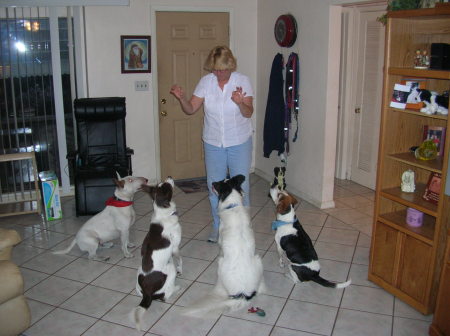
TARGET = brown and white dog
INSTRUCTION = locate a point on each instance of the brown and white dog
(113, 221)
(294, 243)
(156, 275)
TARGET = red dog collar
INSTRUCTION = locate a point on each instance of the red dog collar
(118, 203)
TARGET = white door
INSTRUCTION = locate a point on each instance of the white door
(367, 108)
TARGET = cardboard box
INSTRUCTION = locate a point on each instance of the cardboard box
(50, 195)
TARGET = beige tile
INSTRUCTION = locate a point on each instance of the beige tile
(308, 317)
(173, 323)
(120, 312)
(372, 300)
(228, 326)
(356, 323)
(61, 322)
(93, 301)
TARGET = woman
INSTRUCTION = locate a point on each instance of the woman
(227, 97)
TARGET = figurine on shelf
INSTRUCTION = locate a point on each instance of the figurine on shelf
(408, 184)
(421, 59)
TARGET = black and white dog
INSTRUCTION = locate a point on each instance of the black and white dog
(294, 243)
(156, 275)
(240, 270)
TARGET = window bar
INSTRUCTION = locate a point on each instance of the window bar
(5, 99)
(43, 59)
(17, 116)
(27, 56)
(13, 104)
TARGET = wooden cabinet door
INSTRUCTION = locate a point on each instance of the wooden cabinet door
(384, 251)
(415, 268)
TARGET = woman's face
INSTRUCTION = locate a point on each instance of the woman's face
(222, 75)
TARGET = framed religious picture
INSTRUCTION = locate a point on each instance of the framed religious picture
(135, 54)
(433, 188)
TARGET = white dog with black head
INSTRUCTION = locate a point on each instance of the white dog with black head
(240, 270)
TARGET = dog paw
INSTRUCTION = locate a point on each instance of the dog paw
(131, 245)
(179, 271)
(129, 255)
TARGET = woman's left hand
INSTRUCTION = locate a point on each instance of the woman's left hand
(238, 96)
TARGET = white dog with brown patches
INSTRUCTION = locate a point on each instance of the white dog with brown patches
(294, 244)
(113, 221)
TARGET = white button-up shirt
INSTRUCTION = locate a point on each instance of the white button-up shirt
(224, 125)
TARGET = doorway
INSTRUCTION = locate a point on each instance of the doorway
(361, 80)
(183, 41)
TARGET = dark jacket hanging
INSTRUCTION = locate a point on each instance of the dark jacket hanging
(274, 119)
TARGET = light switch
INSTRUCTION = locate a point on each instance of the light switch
(141, 85)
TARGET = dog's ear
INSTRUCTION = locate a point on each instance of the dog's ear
(238, 179)
(293, 200)
(119, 183)
(118, 175)
(216, 187)
(284, 205)
(151, 190)
(164, 195)
(283, 170)
(276, 170)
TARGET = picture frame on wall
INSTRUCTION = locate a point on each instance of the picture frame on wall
(135, 54)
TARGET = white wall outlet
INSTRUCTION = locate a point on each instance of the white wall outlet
(141, 85)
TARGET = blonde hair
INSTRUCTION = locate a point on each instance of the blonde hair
(220, 58)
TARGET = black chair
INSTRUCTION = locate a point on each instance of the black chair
(101, 152)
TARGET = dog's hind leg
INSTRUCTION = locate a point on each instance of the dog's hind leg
(179, 261)
(292, 275)
(106, 245)
(280, 254)
(89, 244)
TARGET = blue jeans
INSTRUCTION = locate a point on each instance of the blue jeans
(220, 160)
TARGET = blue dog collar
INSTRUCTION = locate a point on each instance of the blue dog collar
(277, 223)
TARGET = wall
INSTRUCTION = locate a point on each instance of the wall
(311, 163)
(310, 169)
(104, 25)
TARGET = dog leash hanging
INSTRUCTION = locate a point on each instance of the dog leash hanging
(292, 97)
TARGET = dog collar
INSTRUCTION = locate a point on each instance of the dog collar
(277, 223)
(117, 202)
(231, 206)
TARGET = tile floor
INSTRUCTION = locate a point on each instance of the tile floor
(70, 295)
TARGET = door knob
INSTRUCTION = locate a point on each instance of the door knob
(163, 113)
(163, 101)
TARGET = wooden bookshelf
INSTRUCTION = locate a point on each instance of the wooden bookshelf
(405, 260)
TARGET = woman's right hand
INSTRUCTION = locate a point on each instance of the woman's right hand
(177, 91)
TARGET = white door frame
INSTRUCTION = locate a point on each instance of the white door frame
(154, 63)
(347, 82)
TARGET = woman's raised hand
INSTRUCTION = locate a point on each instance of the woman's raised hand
(238, 96)
(177, 91)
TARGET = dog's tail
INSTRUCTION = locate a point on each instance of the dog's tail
(216, 302)
(67, 250)
(148, 287)
(321, 281)
(138, 312)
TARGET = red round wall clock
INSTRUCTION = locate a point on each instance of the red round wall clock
(285, 30)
